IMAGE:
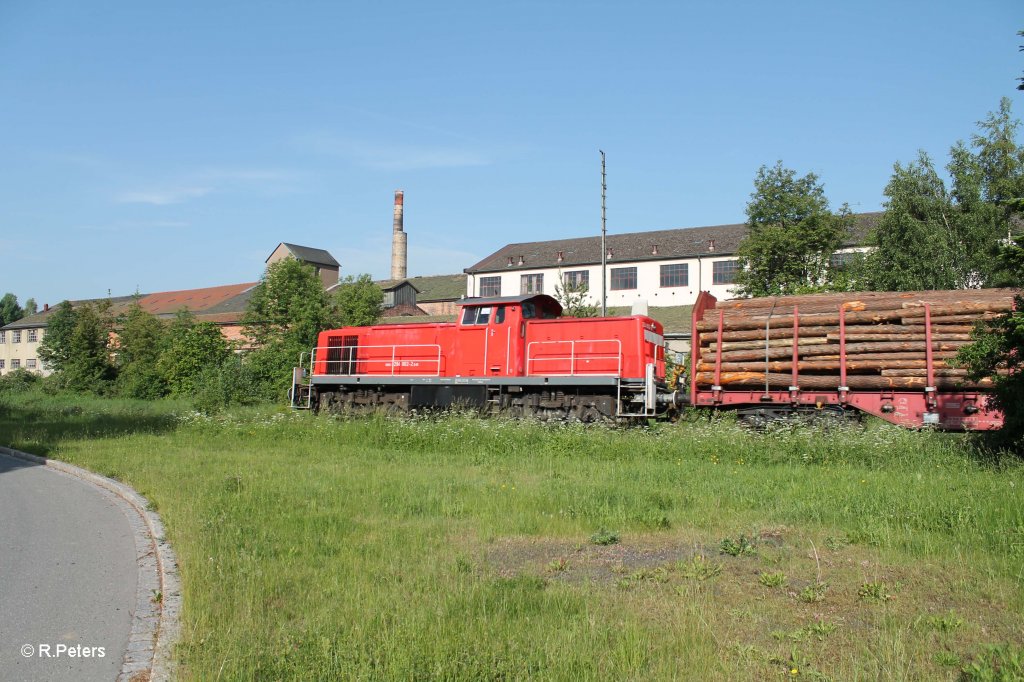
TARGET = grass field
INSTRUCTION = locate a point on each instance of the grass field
(457, 548)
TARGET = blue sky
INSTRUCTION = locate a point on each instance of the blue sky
(159, 146)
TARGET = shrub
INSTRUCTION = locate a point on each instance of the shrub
(18, 380)
(230, 383)
(141, 381)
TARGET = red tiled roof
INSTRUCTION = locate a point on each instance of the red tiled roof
(195, 300)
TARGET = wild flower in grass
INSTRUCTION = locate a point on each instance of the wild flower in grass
(605, 537)
(773, 579)
(944, 623)
(874, 591)
(699, 568)
(836, 543)
(743, 546)
(813, 593)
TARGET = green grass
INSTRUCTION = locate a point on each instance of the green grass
(458, 548)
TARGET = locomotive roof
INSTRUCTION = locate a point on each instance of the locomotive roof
(497, 300)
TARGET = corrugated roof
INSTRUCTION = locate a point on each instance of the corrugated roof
(439, 287)
(687, 242)
(388, 284)
(223, 304)
(311, 255)
(195, 300)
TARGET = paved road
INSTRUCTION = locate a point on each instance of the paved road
(67, 577)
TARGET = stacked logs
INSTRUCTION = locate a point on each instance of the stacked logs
(885, 339)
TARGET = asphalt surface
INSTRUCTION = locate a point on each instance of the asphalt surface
(68, 577)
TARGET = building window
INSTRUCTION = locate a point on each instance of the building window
(3, 337)
(532, 284)
(15, 364)
(675, 275)
(724, 271)
(1, 364)
(623, 278)
(32, 338)
(31, 363)
(842, 260)
(577, 280)
(16, 336)
(490, 286)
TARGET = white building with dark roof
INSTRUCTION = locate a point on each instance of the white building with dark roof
(662, 267)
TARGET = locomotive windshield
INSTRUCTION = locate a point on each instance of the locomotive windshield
(532, 311)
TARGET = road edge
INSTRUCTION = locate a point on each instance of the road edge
(156, 622)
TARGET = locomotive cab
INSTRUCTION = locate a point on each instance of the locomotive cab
(491, 332)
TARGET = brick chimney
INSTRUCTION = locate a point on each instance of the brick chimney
(399, 241)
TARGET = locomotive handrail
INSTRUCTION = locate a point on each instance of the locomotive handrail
(394, 361)
(572, 358)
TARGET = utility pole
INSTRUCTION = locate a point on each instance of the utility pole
(604, 250)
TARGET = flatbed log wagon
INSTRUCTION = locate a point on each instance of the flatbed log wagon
(880, 353)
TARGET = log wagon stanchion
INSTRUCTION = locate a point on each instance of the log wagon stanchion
(881, 353)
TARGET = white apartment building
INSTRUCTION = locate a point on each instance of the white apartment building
(19, 345)
(662, 267)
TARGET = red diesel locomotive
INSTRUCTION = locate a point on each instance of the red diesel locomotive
(517, 356)
(509, 354)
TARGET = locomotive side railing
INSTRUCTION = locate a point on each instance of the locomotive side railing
(574, 358)
(394, 360)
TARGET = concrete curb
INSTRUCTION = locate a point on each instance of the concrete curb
(155, 622)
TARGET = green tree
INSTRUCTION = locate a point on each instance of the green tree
(792, 234)
(30, 307)
(88, 368)
(55, 349)
(358, 301)
(10, 311)
(286, 312)
(141, 339)
(932, 237)
(190, 349)
(998, 348)
(918, 243)
(574, 298)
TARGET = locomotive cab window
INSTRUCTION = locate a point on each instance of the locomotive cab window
(529, 311)
(476, 315)
(499, 315)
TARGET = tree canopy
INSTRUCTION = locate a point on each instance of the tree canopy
(55, 349)
(793, 234)
(358, 301)
(574, 298)
(286, 312)
(10, 311)
(938, 237)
